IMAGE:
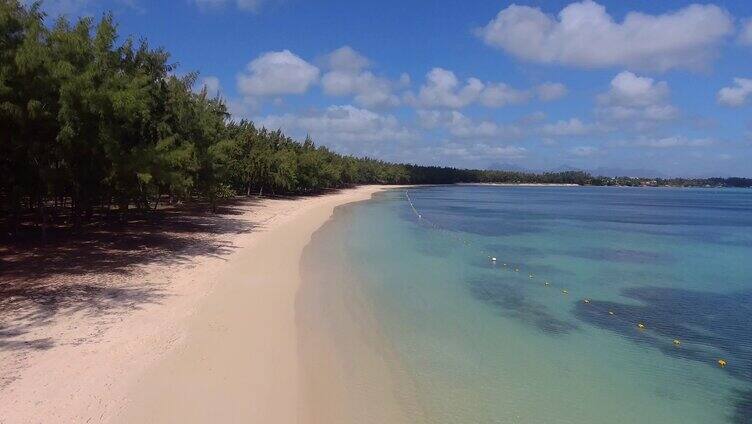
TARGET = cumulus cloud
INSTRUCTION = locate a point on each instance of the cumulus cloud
(276, 73)
(550, 91)
(745, 36)
(583, 34)
(673, 141)
(571, 127)
(584, 151)
(341, 124)
(443, 89)
(479, 152)
(77, 7)
(639, 102)
(462, 127)
(346, 58)
(211, 84)
(242, 108)
(737, 94)
(249, 5)
(500, 94)
(347, 76)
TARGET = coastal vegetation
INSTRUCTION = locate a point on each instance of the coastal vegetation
(92, 126)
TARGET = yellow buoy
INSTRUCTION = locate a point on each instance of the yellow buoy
(677, 342)
(722, 363)
(565, 292)
(641, 326)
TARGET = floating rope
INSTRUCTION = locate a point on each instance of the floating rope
(640, 325)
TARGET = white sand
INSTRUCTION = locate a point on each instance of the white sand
(219, 346)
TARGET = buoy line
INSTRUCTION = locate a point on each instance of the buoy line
(641, 326)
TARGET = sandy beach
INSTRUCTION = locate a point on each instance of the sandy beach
(212, 339)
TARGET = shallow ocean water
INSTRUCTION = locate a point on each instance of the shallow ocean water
(467, 340)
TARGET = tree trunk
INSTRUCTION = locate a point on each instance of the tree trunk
(76, 212)
(122, 208)
(13, 218)
(89, 210)
(43, 220)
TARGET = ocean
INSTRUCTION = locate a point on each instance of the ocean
(604, 304)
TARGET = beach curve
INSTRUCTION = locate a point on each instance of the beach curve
(221, 346)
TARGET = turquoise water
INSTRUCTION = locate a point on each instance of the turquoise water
(471, 341)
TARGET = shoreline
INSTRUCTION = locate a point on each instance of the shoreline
(220, 344)
(521, 184)
(240, 361)
(350, 372)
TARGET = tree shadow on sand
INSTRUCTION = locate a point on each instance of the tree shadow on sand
(108, 245)
(86, 271)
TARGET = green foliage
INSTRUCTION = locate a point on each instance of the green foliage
(92, 122)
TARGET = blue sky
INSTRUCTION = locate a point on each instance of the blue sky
(663, 87)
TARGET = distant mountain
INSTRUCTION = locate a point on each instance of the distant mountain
(497, 166)
(601, 171)
(626, 172)
(604, 171)
(566, 168)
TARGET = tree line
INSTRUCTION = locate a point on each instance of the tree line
(91, 124)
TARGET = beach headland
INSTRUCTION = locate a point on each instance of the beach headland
(212, 339)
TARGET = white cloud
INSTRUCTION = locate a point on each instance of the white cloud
(347, 76)
(346, 58)
(550, 91)
(532, 118)
(500, 94)
(443, 89)
(368, 89)
(572, 127)
(341, 124)
(62, 6)
(462, 127)
(745, 35)
(736, 95)
(638, 102)
(209, 3)
(252, 5)
(249, 5)
(585, 35)
(275, 73)
(674, 141)
(454, 153)
(77, 7)
(211, 84)
(584, 151)
(479, 152)
(242, 108)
